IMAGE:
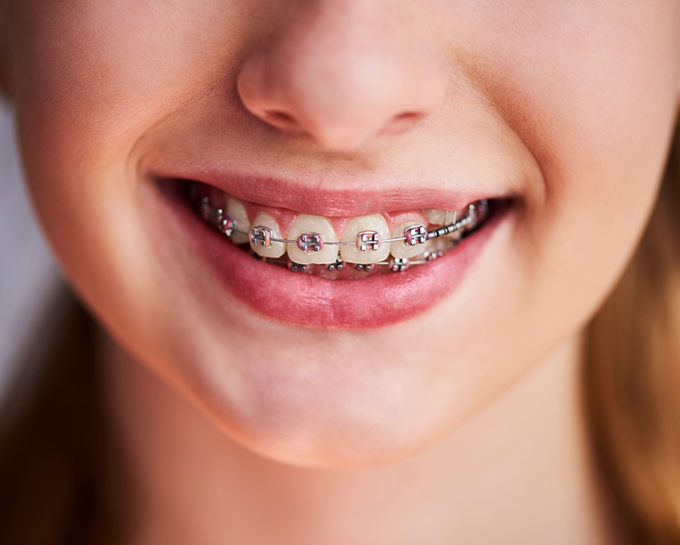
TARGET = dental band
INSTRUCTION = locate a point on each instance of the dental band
(366, 241)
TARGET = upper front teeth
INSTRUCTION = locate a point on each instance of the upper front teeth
(365, 240)
(314, 237)
(367, 233)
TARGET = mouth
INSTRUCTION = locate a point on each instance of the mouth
(334, 272)
(367, 245)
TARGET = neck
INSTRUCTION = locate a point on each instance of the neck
(517, 472)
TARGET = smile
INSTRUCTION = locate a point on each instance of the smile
(359, 271)
(367, 245)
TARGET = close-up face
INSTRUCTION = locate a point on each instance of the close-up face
(521, 144)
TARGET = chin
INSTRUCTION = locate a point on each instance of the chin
(327, 413)
(343, 444)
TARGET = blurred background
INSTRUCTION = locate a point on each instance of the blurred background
(27, 271)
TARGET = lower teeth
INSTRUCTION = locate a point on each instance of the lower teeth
(220, 221)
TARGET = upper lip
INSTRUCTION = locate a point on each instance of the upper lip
(315, 196)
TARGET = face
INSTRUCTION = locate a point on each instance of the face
(131, 113)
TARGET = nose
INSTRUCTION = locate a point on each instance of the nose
(344, 72)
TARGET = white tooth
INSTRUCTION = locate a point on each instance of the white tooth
(434, 245)
(351, 253)
(438, 245)
(400, 248)
(435, 217)
(275, 249)
(460, 214)
(306, 224)
(450, 216)
(446, 217)
(237, 212)
(455, 235)
(440, 217)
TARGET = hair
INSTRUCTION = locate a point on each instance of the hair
(63, 480)
(631, 377)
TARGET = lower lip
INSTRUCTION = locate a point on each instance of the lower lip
(307, 300)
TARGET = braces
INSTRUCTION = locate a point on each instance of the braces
(366, 240)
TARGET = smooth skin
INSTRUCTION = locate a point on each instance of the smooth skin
(461, 425)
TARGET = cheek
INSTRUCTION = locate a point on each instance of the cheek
(90, 79)
(87, 91)
(591, 88)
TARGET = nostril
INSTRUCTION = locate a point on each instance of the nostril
(402, 122)
(408, 116)
(279, 119)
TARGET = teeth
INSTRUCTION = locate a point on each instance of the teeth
(435, 246)
(435, 217)
(304, 229)
(312, 239)
(459, 215)
(456, 235)
(373, 230)
(275, 249)
(401, 249)
(439, 217)
(445, 217)
(237, 212)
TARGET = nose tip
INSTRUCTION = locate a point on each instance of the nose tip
(341, 83)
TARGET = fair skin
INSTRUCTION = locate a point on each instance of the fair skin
(517, 472)
(460, 422)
